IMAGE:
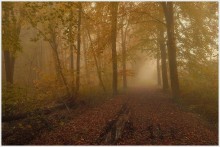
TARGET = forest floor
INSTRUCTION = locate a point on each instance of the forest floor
(141, 117)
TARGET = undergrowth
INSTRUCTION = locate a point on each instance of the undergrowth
(199, 92)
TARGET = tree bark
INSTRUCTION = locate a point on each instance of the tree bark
(85, 47)
(9, 66)
(78, 49)
(124, 35)
(163, 58)
(10, 28)
(114, 9)
(60, 69)
(96, 64)
(168, 12)
(158, 69)
(54, 46)
(71, 50)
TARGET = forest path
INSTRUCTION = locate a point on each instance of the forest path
(157, 120)
(142, 117)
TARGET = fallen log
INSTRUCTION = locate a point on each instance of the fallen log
(44, 111)
(114, 128)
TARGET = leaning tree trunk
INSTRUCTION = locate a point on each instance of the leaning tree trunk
(59, 71)
(78, 50)
(158, 69)
(96, 64)
(114, 9)
(168, 11)
(163, 58)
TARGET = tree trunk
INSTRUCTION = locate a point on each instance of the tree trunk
(114, 9)
(78, 50)
(8, 32)
(168, 11)
(96, 64)
(158, 69)
(85, 47)
(71, 51)
(163, 58)
(12, 68)
(9, 66)
(54, 46)
(99, 56)
(59, 69)
(123, 35)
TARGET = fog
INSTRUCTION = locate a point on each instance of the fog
(108, 73)
(146, 74)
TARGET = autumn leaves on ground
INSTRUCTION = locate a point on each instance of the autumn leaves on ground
(142, 117)
(146, 117)
(109, 73)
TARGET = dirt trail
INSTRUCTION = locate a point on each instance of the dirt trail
(151, 118)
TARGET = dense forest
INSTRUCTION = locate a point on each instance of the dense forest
(93, 73)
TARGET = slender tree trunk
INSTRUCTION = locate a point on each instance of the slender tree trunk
(123, 35)
(163, 58)
(59, 69)
(12, 68)
(96, 64)
(54, 46)
(71, 51)
(99, 56)
(99, 61)
(168, 11)
(85, 47)
(114, 9)
(158, 69)
(58, 76)
(72, 67)
(78, 50)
